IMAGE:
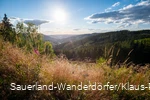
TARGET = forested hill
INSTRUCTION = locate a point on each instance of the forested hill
(60, 39)
(116, 45)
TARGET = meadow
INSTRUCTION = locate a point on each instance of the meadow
(20, 67)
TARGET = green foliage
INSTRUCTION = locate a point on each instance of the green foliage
(48, 48)
(6, 30)
(101, 61)
(116, 45)
(140, 42)
(25, 37)
(31, 28)
(141, 50)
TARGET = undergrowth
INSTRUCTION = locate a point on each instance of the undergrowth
(24, 68)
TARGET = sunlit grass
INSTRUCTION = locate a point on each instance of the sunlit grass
(27, 68)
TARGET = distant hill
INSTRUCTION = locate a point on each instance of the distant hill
(102, 38)
(61, 36)
(54, 41)
(60, 39)
(98, 45)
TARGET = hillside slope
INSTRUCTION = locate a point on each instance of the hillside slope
(60, 39)
(28, 69)
(96, 45)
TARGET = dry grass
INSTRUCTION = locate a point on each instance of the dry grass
(62, 69)
(27, 68)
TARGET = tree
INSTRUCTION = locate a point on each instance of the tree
(20, 28)
(48, 48)
(8, 33)
(7, 28)
(6, 22)
(31, 28)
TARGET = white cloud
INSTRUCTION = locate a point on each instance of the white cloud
(116, 4)
(33, 21)
(16, 19)
(91, 29)
(108, 9)
(127, 16)
(76, 29)
(36, 21)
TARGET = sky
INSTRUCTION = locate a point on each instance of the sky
(79, 16)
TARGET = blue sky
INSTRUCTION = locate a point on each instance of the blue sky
(79, 16)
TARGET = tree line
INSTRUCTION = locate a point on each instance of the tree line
(119, 46)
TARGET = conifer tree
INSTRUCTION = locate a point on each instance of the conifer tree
(7, 28)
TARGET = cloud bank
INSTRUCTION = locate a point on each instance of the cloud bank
(126, 16)
(33, 21)
(36, 21)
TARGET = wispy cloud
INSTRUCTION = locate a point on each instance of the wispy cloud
(114, 5)
(91, 29)
(126, 16)
(77, 29)
(108, 9)
(16, 19)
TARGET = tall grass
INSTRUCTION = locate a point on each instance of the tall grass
(20, 67)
